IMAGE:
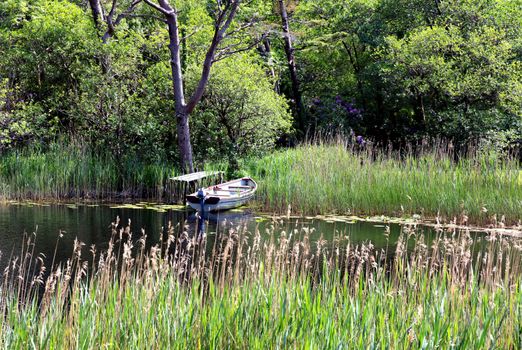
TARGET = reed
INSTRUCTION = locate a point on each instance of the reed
(237, 291)
(74, 170)
(318, 178)
(337, 178)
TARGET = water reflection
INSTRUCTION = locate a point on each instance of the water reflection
(92, 226)
(205, 223)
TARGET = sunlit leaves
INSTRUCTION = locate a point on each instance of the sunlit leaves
(241, 113)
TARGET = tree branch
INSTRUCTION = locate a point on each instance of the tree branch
(112, 24)
(128, 12)
(159, 8)
(219, 32)
(228, 51)
(239, 29)
(191, 34)
(97, 12)
(234, 5)
(111, 12)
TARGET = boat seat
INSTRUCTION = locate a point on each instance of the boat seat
(223, 194)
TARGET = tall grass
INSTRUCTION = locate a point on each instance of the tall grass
(320, 178)
(75, 171)
(337, 178)
(240, 292)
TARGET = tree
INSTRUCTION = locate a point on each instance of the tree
(54, 85)
(97, 12)
(462, 74)
(339, 40)
(223, 14)
(48, 55)
(414, 68)
(290, 58)
(240, 114)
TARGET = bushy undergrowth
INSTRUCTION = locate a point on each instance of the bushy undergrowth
(237, 291)
(338, 178)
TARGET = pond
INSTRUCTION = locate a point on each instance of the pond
(56, 226)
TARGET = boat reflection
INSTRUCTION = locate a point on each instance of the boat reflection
(215, 222)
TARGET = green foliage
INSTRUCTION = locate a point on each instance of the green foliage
(414, 67)
(48, 46)
(466, 81)
(240, 113)
(397, 70)
(23, 125)
(61, 79)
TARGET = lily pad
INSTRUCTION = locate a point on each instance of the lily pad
(171, 206)
(127, 206)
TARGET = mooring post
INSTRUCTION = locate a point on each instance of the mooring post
(185, 193)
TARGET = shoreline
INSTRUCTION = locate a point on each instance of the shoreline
(506, 230)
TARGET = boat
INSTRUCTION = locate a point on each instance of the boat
(228, 195)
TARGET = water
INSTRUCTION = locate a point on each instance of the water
(91, 224)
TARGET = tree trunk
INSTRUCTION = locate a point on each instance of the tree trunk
(266, 52)
(185, 147)
(183, 50)
(357, 68)
(9, 92)
(182, 114)
(289, 50)
(226, 13)
(97, 12)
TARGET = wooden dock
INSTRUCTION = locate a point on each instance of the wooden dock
(188, 183)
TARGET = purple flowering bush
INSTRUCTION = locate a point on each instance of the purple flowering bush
(336, 115)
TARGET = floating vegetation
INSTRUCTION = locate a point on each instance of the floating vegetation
(382, 220)
(158, 207)
(26, 203)
(127, 206)
(172, 206)
(236, 210)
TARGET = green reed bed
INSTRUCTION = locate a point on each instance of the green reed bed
(75, 171)
(240, 292)
(336, 178)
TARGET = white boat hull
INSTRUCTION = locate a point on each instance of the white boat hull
(222, 204)
(228, 195)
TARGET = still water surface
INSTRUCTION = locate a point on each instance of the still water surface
(91, 224)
